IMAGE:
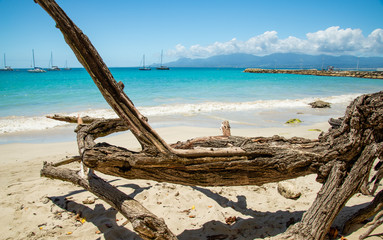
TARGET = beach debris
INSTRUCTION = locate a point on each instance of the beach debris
(333, 233)
(89, 200)
(80, 219)
(40, 226)
(187, 211)
(320, 104)
(69, 233)
(315, 130)
(124, 223)
(98, 232)
(288, 190)
(293, 121)
(230, 220)
(193, 207)
(192, 216)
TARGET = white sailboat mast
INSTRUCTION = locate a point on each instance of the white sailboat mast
(143, 61)
(33, 57)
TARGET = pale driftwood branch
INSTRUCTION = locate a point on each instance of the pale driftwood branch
(72, 119)
(67, 161)
(376, 222)
(146, 224)
(365, 213)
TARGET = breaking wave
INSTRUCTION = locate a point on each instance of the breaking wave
(11, 124)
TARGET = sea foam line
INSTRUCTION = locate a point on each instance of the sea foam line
(239, 106)
(13, 124)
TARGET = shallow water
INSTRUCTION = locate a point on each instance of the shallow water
(180, 96)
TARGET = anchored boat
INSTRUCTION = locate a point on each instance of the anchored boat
(35, 69)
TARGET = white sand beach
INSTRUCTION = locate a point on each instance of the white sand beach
(33, 207)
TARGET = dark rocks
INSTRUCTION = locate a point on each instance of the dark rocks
(320, 104)
(358, 74)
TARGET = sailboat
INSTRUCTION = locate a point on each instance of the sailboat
(51, 66)
(162, 67)
(6, 68)
(143, 65)
(35, 69)
(66, 65)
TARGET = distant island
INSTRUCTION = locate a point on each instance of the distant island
(358, 74)
(283, 61)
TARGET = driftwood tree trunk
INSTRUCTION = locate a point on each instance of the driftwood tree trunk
(342, 157)
(365, 213)
(145, 223)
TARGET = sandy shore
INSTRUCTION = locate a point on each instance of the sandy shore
(32, 207)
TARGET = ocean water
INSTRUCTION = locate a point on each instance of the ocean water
(181, 96)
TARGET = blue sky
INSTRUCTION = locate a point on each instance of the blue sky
(124, 30)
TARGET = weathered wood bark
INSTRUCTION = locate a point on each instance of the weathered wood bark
(225, 127)
(365, 213)
(338, 189)
(110, 89)
(342, 157)
(146, 224)
(256, 160)
(376, 222)
(71, 119)
(376, 179)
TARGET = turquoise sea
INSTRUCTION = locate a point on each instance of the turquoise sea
(181, 96)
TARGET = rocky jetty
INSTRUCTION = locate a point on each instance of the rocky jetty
(358, 74)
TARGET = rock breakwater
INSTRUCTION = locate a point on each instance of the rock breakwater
(358, 74)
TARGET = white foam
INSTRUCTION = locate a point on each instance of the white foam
(163, 110)
(18, 123)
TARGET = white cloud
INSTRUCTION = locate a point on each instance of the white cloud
(333, 40)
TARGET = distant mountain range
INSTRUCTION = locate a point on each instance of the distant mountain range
(282, 60)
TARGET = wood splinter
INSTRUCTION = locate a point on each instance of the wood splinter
(225, 127)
